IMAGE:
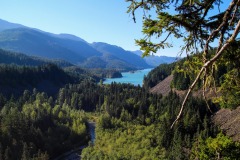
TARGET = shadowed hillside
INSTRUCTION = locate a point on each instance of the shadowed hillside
(7, 57)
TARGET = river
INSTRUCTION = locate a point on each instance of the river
(135, 78)
(76, 154)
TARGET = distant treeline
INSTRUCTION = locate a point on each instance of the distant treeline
(9, 57)
(48, 78)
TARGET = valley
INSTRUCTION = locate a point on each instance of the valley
(62, 97)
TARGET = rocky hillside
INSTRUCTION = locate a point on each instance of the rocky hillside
(229, 122)
(163, 87)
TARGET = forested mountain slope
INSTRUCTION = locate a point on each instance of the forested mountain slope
(7, 57)
(46, 78)
(157, 75)
(223, 85)
(121, 54)
(36, 43)
(227, 96)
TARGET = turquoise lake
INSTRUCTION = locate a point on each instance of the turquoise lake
(135, 78)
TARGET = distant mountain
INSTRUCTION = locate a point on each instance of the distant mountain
(7, 57)
(156, 60)
(108, 61)
(34, 42)
(121, 54)
(138, 52)
(69, 36)
(7, 25)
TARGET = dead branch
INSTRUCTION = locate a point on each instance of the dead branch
(206, 65)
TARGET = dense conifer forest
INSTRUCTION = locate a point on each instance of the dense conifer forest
(131, 122)
(46, 106)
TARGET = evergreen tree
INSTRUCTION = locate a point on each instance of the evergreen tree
(25, 152)
(197, 23)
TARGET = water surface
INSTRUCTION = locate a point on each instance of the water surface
(135, 78)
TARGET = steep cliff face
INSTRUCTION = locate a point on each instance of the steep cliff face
(229, 122)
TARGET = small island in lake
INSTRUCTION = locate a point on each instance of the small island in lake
(114, 74)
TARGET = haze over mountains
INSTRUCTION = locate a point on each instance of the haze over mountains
(34, 42)
(153, 60)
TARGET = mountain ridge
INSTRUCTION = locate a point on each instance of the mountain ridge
(154, 60)
(34, 42)
(116, 50)
(8, 25)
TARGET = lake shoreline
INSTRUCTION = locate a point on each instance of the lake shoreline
(132, 77)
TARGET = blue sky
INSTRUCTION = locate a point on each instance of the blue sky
(92, 20)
